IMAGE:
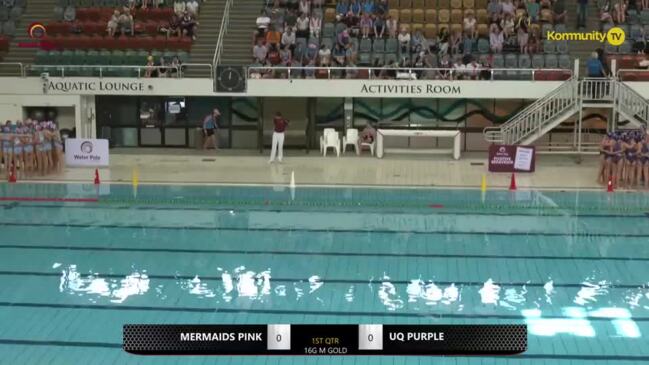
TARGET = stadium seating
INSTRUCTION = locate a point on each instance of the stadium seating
(429, 17)
(9, 16)
(85, 42)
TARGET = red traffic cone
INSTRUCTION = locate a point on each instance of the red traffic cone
(97, 177)
(512, 183)
(12, 174)
(609, 186)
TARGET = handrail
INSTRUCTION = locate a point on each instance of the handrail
(533, 118)
(631, 103)
(141, 70)
(20, 65)
(225, 22)
(410, 71)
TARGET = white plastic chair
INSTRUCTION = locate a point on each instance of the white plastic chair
(371, 145)
(331, 141)
(324, 136)
(351, 139)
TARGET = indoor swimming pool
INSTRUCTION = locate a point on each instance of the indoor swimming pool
(77, 262)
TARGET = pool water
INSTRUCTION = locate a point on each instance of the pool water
(78, 262)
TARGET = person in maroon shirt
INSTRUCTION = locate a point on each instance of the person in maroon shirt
(277, 147)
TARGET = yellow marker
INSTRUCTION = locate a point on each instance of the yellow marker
(134, 179)
(483, 185)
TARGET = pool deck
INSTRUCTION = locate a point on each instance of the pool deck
(187, 166)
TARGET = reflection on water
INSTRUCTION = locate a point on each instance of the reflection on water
(73, 282)
(250, 285)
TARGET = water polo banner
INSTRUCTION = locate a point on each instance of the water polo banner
(509, 158)
(86, 152)
(303, 339)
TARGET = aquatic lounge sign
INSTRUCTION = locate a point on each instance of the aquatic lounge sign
(410, 89)
(95, 86)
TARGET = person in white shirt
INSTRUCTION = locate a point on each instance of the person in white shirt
(263, 21)
(392, 26)
(470, 26)
(305, 6)
(404, 40)
(179, 8)
(302, 25)
(324, 55)
(315, 24)
(288, 39)
(192, 8)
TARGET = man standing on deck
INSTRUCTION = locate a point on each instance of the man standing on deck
(210, 129)
(277, 146)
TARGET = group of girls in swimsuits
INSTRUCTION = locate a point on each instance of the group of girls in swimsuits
(624, 159)
(31, 147)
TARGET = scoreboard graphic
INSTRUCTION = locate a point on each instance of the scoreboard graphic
(305, 339)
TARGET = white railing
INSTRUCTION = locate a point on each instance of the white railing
(597, 89)
(105, 70)
(410, 73)
(17, 66)
(629, 102)
(225, 23)
(539, 115)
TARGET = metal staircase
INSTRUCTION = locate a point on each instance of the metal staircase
(538, 118)
(569, 98)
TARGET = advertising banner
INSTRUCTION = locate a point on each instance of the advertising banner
(86, 152)
(508, 158)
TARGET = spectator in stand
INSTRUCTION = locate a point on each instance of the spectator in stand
(523, 35)
(188, 25)
(192, 8)
(339, 55)
(285, 58)
(304, 7)
(495, 9)
(445, 66)
(263, 21)
(273, 55)
(113, 23)
(342, 8)
(173, 27)
(379, 27)
(290, 21)
(619, 12)
(324, 56)
(443, 39)
(162, 69)
(581, 13)
(496, 39)
(368, 134)
(260, 51)
(351, 72)
(179, 8)
(69, 14)
(645, 5)
(508, 8)
(559, 11)
(417, 42)
(368, 6)
(311, 54)
(533, 44)
(533, 9)
(315, 24)
(404, 40)
(507, 25)
(456, 42)
(393, 27)
(288, 39)
(149, 67)
(605, 16)
(302, 26)
(418, 63)
(126, 23)
(470, 25)
(343, 38)
(309, 71)
(381, 8)
(273, 37)
(366, 25)
(639, 42)
(176, 67)
(355, 9)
